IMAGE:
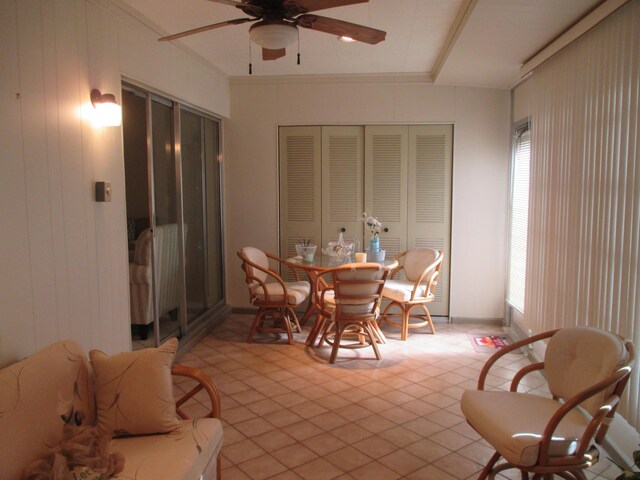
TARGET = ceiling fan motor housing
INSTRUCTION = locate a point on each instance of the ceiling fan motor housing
(273, 34)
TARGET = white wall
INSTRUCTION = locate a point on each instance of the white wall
(63, 263)
(480, 166)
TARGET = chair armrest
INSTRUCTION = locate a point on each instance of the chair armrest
(510, 348)
(522, 372)
(204, 382)
(139, 274)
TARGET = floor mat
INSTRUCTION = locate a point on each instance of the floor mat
(488, 342)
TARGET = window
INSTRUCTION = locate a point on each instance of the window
(518, 217)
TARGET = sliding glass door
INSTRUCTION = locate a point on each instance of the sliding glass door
(180, 150)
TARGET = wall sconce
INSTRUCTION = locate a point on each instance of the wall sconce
(108, 112)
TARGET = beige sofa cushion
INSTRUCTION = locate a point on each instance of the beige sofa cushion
(514, 422)
(134, 390)
(182, 454)
(34, 394)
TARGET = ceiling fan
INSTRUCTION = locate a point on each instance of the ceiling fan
(278, 22)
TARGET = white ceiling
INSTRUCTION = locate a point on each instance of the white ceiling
(463, 42)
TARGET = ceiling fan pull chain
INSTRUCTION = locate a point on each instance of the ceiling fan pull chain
(250, 67)
(298, 47)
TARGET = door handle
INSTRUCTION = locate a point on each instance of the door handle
(385, 229)
(343, 229)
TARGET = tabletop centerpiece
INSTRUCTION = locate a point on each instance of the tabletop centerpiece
(374, 227)
(306, 249)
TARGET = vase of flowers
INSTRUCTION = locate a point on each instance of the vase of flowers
(374, 227)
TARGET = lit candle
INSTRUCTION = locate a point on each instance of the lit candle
(361, 257)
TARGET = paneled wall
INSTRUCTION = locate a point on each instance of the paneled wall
(480, 167)
(63, 261)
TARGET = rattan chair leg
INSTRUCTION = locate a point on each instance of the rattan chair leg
(372, 337)
(336, 342)
(254, 326)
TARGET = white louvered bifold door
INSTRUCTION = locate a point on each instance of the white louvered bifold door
(342, 182)
(386, 152)
(429, 199)
(300, 188)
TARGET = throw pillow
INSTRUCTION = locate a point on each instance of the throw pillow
(134, 390)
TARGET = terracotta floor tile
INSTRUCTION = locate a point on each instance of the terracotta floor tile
(374, 471)
(375, 446)
(348, 458)
(234, 473)
(431, 473)
(254, 427)
(428, 450)
(376, 423)
(451, 439)
(402, 462)
(293, 456)
(262, 467)
(324, 443)
(273, 440)
(282, 418)
(400, 436)
(318, 469)
(351, 433)
(302, 430)
(458, 466)
(242, 451)
(329, 421)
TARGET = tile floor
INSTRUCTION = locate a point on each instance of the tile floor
(289, 414)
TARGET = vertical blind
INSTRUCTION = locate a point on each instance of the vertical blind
(584, 217)
(518, 217)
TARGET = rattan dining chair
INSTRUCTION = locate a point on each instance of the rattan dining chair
(420, 267)
(349, 300)
(275, 298)
(587, 370)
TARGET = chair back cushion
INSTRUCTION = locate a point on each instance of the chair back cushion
(259, 258)
(167, 267)
(142, 252)
(579, 357)
(37, 395)
(416, 260)
(358, 288)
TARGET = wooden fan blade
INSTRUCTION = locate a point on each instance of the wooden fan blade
(237, 21)
(227, 2)
(314, 5)
(340, 27)
(269, 54)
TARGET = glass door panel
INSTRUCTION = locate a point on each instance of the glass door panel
(166, 232)
(192, 154)
(215, 291)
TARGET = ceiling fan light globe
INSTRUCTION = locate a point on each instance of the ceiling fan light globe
(273, 36)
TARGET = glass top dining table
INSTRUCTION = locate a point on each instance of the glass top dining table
(322, 262)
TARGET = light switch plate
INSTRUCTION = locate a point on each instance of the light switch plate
(103, 191)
